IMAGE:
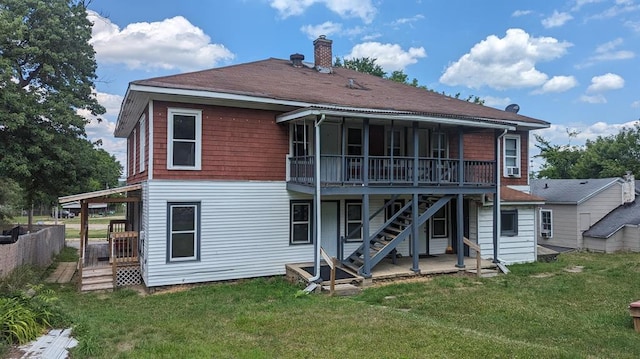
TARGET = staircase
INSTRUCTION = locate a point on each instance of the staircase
(384, 241)
(99, 278)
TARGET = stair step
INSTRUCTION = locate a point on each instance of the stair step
(485, 273)
(96, 280)
(344, 289)
(97, 272)
(354, 267)
(393, 229)
(97, 286)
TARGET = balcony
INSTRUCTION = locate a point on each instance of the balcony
(337, 170)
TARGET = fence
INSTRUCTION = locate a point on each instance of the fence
(37, 248)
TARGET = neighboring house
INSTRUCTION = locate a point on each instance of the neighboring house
(574, 206)
(620, 229)
(241, 169)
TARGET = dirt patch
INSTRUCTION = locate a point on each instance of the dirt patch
(542, 275)
(414, 279)
(576, 269)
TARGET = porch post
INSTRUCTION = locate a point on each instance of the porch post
(416, 150)
(496, 200)
(460, 204)
(366, 255)
(343, 167)
(84, 226)
(414, 234)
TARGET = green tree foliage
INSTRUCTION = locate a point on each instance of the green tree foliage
(368, 65)
(47, 70)
(10, 199)
(609, 156)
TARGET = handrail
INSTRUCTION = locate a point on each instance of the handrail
(332, 262)
(476, 248)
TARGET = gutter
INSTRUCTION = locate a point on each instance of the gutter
(498, 199)
(318, 208)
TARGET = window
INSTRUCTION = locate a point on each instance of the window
(354, 141)
(546, 223)
(439, 146)
(184, 134)
(397, 146)
(509, 222)
(301, 228)
(300, 140)
(440, 223)
(183, 224)
(142, 142)
(511, 156)
(353, 221)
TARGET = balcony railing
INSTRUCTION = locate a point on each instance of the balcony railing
(348, 170)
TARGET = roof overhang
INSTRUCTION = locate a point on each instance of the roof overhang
(312, 112)
(96, 194)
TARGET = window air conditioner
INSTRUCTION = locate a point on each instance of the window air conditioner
(513, 171)
(546, 234)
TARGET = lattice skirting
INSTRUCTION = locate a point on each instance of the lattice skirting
(128, 276)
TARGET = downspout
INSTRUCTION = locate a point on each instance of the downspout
(496, 201)
(317, 222)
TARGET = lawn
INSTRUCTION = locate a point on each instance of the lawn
(539, 310)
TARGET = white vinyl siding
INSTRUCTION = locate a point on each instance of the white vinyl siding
(244, 231)
(184, 137)
(511, 249)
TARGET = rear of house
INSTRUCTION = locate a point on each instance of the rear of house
(246, 168)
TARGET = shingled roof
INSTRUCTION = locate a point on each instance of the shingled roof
(278, 82)
(626, 214)
(570, 191)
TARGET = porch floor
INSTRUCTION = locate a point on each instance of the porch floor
(386, 270)
(97, 254)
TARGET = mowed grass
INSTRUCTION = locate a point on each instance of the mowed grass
(540, 310)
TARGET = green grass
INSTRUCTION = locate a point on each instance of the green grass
(75, 220)
(93, 233)
(539, 310)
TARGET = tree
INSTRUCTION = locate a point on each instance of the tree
(10, 199)
(609, 156)
(368, 65)
(47, 70)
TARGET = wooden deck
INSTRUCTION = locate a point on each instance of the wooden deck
(97, 255)
(386, 270)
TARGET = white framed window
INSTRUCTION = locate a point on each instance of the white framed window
(440, 223)
(509, 222)
(134, 143)
(184, 136)
(183, 231)
(439, 145)
(142, 143)
(300, 222)
(353, 220)
(300, 140)
(354, 141)
(511, 156)
(397, 143)
(546, 223)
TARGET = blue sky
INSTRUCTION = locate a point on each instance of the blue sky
(573, 63)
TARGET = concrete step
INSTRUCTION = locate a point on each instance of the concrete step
(485, 273)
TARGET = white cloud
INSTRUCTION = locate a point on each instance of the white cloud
(104, 129)
(407, 20)
(635, 104)
(390, 57)
(633, 25)
(580, 3)
(593, 99)
(558, 84)
(558, 134)
(556, 19)
(372, 37)
(168, 44)
(519, 13)
(504, 63)
(620, 7)
(606, 82)
(608, 52)
(326, 28)
(497, 102)
(362, 9)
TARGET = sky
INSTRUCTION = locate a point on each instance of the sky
(573, 63)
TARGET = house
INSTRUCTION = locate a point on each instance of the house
(243, 169)
(577, 211)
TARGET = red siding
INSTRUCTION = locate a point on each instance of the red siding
(524, 162)
(237, 144)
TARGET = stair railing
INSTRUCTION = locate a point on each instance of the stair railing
(476, 248)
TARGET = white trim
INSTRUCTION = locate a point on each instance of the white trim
(446, 219)
(171, 232)
(134, 142)
(542, 231)
(142, 139)
(197, 114)
(508, 171)
(150, 140)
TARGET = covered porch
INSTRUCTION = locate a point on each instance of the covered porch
(114, 260)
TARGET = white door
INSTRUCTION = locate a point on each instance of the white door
(330, 234)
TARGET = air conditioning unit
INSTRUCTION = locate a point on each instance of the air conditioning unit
(545, 234)
(513, 171)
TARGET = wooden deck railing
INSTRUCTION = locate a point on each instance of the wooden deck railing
(476, 248)
(337, 170)
(333, 263)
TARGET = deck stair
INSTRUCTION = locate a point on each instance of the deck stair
(383, 242)
(100, 278)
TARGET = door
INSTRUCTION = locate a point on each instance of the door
(330, 227)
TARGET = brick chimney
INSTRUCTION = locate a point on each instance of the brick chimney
(628, 188)
(323, 57)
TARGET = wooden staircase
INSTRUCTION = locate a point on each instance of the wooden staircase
(383, 242)
(97, 278)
